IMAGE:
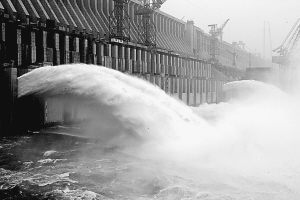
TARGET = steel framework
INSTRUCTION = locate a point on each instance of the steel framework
(147, 29)
(119, 21)
(215, 33)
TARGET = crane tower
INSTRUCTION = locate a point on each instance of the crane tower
(147, 30)
(119, 21)
(215, 34)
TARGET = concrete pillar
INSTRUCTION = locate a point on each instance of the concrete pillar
(3, 41)
(100, 53)
(32, 47)
(83, 49)
(138, 61)
(138, 55)
(148, 62)
(121, 58)
(128, 65)
(107, 51)
(158, 64)
(45, 47)
(19, 46)
(56, 50)
(94, 52)
(180, 80)
(167, 57)
(75, 56)
(67, 49)
(133, 54)
(114, 55)
(153, 63)
(9, 94)
(76, 44)
(163, 64)
(175, 64)
(114, 51)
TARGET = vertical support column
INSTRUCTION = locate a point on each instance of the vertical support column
(67, 49)
(153, 64)
(188, 91)
(94, 52)
(50, 46)
(121, 56)
(167, 64)
(162, 61)
(32, 47)
(19, 47)
(107, 55)
(148, 62)
(133, 56)
(158, 65)
(44, 46)
(171, 64)
(176, 66)
(127, 61)
(180, 74)
(100, 54)
(143, 61)
(114, 55)
(9, 92)
(75, 53)
(77, 50)
(2, 41)
(41, 46)
(138, 61)
(56, 49)
(83, 49)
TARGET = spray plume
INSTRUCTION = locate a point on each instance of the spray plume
(256, 133)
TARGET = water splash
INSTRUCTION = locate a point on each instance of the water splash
(114, 102)
(255, 135)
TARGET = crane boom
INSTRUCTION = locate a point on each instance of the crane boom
(288, 35)
(286, 50)
(294, 42)
(220, 30)
(215, 33)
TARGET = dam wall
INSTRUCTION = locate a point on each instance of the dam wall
(35, 33)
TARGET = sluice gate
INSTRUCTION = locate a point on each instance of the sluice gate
(35, 33)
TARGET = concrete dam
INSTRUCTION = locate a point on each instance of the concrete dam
(173, 54)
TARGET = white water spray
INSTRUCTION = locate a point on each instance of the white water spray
(256, 134)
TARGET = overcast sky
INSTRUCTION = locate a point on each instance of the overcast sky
(246, 22)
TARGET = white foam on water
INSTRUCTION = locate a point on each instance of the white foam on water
(255, 135)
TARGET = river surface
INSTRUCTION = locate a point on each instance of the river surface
(139, 143)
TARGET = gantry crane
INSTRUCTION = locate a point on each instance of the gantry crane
(147, 30)
(119, 21)
(215, 34)
(287, 49)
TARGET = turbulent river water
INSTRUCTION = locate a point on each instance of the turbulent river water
(139, 143)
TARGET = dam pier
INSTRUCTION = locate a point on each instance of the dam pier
(173, 54)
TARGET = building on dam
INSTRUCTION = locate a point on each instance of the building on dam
(35, 33)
